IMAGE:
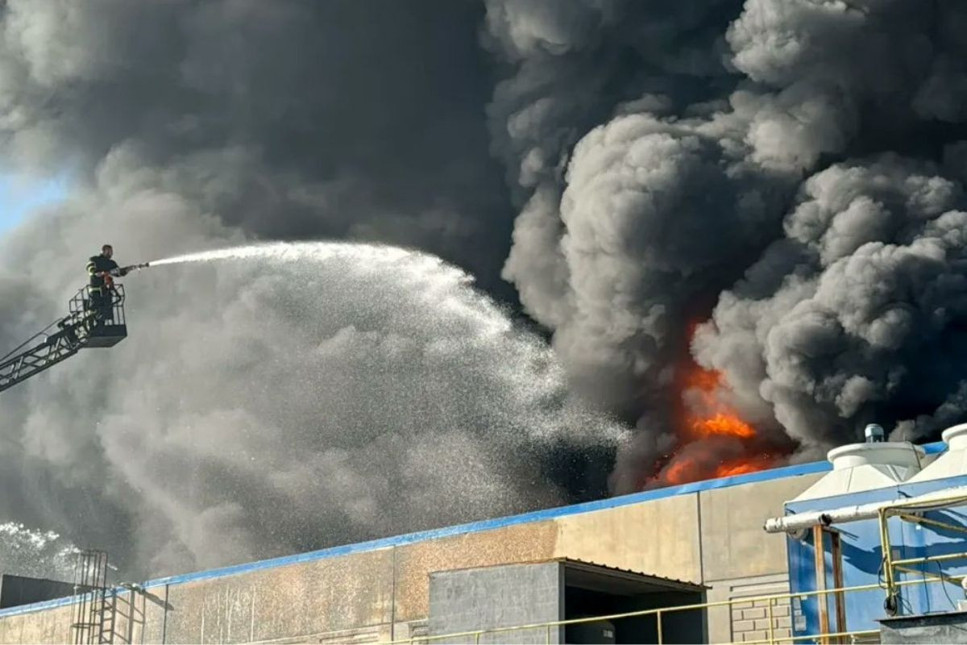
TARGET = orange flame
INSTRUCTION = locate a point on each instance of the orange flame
(681, 471)
(716, 417)
(704, 414)
(722, 424)
(744, 465)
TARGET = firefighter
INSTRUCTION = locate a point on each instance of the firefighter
(102, 270)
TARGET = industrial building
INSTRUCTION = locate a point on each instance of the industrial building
(727, 560)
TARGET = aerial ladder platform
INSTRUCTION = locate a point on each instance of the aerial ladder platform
(92, 322)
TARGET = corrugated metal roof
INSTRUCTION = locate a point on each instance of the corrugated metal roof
(585, 571)
(675, 581)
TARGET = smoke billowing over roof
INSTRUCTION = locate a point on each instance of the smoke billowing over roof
(787, 174)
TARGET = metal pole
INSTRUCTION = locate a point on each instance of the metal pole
(658, 618)
(888, 572)
(819, 553)
(772, 627)
(929, 558)
(916, 519)
(839, 599)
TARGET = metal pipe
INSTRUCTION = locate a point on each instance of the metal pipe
(772, 626)
(939, 577)
(932, 558)
(819, 562)
(926, 521)
(836, 550)
(889, 573)
(812, 637)
(805, 521)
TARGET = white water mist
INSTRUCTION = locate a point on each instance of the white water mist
(292, 396)
(38, 554)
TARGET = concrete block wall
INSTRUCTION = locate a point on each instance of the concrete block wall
(750, 620)
(470, 599)
(380, 591)
(740, 560)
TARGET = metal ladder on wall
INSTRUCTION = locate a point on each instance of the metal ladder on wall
(94, 607)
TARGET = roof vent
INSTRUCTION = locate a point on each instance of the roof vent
(952, 463)
(867, 466)
(874, 433)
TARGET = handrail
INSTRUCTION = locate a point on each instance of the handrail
(904, 511)
(549, 625)
(794, 639)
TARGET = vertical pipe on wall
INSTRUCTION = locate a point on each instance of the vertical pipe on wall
(836, 549)
(819, 552)
(888, 570)
(164, 620)
(772, 627)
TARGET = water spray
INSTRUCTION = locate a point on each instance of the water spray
(379, 391)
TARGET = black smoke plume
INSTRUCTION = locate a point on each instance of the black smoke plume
(790, 171)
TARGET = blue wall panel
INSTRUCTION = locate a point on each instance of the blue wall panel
(933, 541)
(862, 558)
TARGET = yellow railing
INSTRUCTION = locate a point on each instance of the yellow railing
(771, 603)
(909, 512)
(906, 511)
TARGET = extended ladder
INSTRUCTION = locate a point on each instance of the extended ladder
(90, 323)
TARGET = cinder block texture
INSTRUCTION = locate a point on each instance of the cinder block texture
(503, 596)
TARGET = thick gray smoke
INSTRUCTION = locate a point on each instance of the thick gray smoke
(790, 171)
(265, 408)
(856, 315)
(309, 395)
(288, 119)
(796, 162)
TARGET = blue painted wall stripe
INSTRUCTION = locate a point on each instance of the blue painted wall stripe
(37, 606)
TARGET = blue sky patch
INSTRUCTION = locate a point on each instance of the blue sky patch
(20, 195)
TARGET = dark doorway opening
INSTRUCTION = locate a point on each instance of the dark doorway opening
(592, 590)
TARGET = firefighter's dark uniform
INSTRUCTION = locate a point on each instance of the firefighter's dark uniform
(102, 296)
